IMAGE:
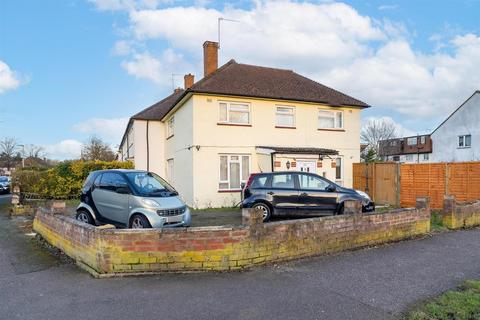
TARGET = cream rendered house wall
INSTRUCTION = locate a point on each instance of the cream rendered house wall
(215, 139)
(156, 140)
(178, 147)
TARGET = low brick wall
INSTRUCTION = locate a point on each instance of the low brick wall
(104, 251)
(460, 215)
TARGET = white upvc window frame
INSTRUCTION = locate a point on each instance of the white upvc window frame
(171, 171)
(334, 113)
(229, 161)
(412, 139)
(408, 157)
(229, 105)
(462, 141)
(337, 160)
(170, 127)
(291, 112)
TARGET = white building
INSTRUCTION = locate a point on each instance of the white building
(457, 138)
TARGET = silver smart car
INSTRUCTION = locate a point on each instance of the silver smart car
(132, 199)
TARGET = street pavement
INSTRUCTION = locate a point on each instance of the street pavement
(374, 283)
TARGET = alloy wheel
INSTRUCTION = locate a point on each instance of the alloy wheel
(265, 210)
(82, 216)
(137, 223)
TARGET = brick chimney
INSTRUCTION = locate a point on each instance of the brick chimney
(177, 90)
(210, 57)
(188, 79)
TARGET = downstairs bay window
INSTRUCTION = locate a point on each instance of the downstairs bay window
(234, 170)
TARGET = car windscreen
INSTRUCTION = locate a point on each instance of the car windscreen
(148, 184)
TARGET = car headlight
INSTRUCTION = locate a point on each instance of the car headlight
(151, 203)
(363, 194)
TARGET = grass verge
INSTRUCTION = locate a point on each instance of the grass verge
(461, 304)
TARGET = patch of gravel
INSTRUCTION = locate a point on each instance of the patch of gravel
(54, 251)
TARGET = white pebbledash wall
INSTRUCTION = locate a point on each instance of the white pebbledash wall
(464, 121)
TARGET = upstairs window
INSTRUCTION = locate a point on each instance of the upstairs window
(465, 141)
(234, 113)
(330, 119)
(412, 141)
(285, 116)
(422, 140)
(170, 127)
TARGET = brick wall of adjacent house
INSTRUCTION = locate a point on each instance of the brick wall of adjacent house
(112, 251)
(460, 215)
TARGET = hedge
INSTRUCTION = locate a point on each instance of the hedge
(63, 180)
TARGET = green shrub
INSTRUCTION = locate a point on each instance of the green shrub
(64, 180)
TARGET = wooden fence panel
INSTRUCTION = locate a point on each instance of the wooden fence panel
(379, 180)
(435, 180)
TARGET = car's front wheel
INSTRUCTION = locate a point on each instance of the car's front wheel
(84, 216)
(266, 211)
(139, 222)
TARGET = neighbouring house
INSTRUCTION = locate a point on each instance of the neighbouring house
(414, 149)
(454, 140)
(457, 138)
(239, 119)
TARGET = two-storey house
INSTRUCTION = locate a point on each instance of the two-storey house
(414, 149)
(207, 138)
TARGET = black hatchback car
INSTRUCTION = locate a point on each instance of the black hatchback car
(299, 193)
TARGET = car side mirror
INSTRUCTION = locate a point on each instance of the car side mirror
(331, 188)
(242, 185)
(123, 190)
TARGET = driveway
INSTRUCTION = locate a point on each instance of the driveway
(376, 283)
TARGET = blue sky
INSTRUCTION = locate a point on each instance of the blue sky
(70, 69)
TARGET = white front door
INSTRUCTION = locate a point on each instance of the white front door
(307, 166)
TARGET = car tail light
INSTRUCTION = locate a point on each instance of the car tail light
(250, 180)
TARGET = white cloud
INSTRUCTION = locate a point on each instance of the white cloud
(122, 48)
(388, 7)
(9, 80)
(157, 69)
(329, 42)
(109, 129)
(63, 150)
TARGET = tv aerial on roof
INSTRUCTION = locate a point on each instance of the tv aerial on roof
(219, 23)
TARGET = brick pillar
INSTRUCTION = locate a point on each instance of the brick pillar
(422, 203)
(253, 218)
(352, 207)
(448, 213)
(210, 57)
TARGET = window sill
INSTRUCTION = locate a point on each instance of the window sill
(233, 124)
(338, 130)
(463, 147)
(229, 190)
(169, 137)
(285, 127)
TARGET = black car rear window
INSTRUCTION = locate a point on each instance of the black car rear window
(89, 181)
(259, 182)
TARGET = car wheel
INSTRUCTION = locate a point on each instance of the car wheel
(84, 216)
(139, 222)
(267, 212)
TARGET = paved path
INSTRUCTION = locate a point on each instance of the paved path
(377, 283)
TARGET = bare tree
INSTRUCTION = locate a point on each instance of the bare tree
(96, 149)
(375, 130)
(33, 151)
(9, 152)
